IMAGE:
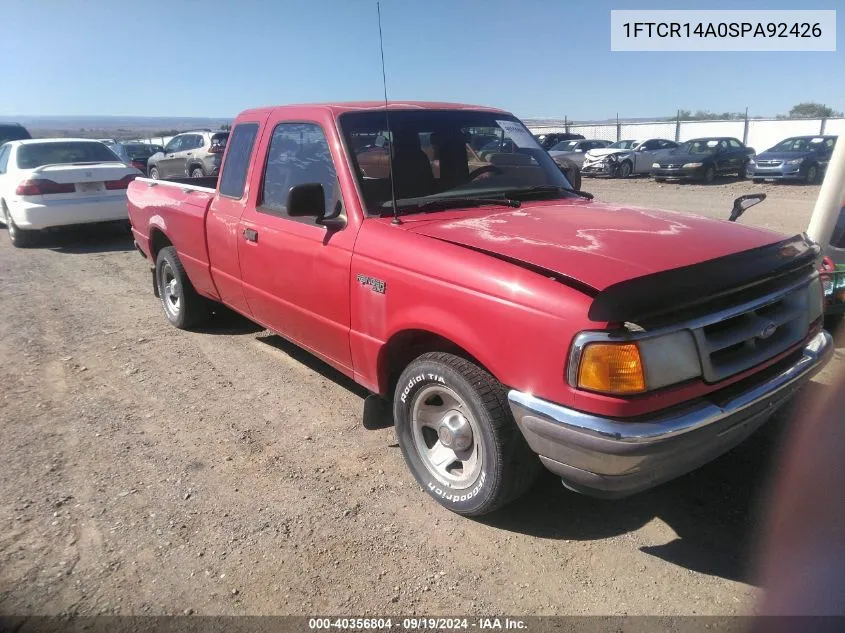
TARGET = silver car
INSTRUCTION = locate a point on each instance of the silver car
(575, 150)
(623, 158)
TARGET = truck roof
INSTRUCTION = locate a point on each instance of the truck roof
(338, 108)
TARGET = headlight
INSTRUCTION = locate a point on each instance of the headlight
(655, 165)
(634, 366)
(796, 161)
(692, 165)
(751, 162)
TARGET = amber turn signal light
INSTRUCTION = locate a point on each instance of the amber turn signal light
(614, 368)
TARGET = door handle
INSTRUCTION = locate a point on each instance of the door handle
(190, 153)
(251, 235)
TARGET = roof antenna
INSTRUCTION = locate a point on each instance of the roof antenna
(396, 219)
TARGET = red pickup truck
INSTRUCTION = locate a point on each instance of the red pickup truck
(513, 322)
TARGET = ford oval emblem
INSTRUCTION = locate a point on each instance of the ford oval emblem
(767, 331)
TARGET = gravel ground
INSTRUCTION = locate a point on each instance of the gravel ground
(152, 471)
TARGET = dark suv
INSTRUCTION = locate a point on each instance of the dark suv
(194, 154)
(13, 132)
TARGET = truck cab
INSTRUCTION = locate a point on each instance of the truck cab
(512, 322)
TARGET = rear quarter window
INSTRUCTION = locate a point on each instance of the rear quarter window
(241, 142)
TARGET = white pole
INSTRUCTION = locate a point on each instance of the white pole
(826, 211)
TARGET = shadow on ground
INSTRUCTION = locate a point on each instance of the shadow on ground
(715, 511)
(87, 239)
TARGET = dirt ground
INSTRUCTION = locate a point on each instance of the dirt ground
(152, 471)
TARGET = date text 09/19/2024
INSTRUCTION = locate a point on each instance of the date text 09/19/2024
(482, 623)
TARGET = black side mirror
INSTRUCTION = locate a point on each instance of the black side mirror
(745, 202)
(308, 200)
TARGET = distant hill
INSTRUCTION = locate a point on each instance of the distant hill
(119, 127)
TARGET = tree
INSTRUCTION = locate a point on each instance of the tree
(226, 127)
(812, 110)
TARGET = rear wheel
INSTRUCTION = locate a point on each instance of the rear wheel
(183, 307)
(197, 172)
(20, 238)
(459, 437)
(154, 174)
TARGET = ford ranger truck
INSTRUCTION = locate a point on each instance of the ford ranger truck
(513, 322)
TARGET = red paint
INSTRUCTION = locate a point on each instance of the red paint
(302, 282)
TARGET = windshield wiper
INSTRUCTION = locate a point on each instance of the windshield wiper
(540, 189)
(447, 203)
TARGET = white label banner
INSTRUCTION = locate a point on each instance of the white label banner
(728, 30)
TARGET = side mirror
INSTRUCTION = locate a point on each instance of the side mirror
(745, 202)
(308, 200)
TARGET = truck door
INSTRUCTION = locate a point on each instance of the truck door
(222, 222)
(296, 275)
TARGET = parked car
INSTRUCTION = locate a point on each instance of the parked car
(624, 158)
(195, 154)
(49, 183)
(135, 154)
(13, 132)
(703, 159)
(547, 141)
(575, 150)
(504, 316)
(801, 158)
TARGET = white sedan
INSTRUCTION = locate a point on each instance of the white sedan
(46, 183)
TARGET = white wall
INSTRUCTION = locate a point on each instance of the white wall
(762, 133)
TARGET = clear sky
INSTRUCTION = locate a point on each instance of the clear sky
(534, 58)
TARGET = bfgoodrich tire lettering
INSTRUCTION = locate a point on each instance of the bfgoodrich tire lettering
(446, 403)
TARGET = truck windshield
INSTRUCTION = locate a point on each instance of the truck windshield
(437, 154)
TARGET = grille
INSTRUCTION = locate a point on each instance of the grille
(743, 340)
(769, 163)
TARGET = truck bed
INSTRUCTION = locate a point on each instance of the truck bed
(176, 209)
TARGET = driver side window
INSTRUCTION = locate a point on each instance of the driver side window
(175, 145)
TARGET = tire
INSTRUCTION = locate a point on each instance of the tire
(183, 307)
(20, 238)
(496, 464)
(197, 172)
(659, 179)
(709, 175)
(625, 169)
(743, 171)
(154, 174)
(811, 176)
(758, 181)
(573, 175)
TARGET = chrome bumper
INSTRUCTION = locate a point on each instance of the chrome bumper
(611, 457)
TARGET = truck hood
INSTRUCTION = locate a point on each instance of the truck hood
(594, 244)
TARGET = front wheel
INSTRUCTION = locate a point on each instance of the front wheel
(183, 307)
(811, 175)
(743, 171)
(709, 175)
(625, 170)
(459, 437)
(154, 174)
(197, 172)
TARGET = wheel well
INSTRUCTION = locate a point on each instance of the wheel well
(193, 165)
(403, 347)
(158, 240)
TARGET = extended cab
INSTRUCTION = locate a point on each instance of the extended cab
(512, 321)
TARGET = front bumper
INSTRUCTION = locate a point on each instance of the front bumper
(69, 211)
(614, 458)
(784, 172)
(679, 173)
(598, 169)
